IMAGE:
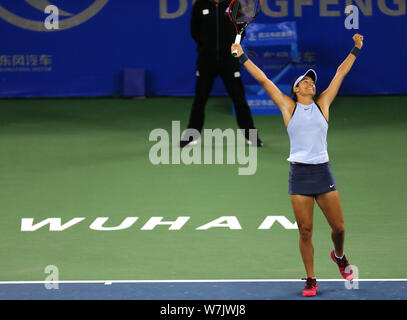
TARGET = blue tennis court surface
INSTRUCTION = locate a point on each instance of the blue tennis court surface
(212, 290)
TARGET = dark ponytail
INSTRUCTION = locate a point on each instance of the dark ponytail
(293, 94)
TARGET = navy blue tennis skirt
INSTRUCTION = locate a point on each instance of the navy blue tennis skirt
(311, 179)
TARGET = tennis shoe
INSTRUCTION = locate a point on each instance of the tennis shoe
(310, 288)
(190, 142)
(257, 143)
(344, 267)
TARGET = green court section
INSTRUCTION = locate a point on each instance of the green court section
(89, 158)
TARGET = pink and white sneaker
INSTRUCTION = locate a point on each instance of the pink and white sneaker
(344, 266)
(310, 288)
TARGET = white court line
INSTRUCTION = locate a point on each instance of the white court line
(109, 282)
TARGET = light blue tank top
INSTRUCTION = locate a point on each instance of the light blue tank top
(307, 131)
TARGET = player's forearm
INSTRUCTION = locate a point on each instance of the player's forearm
(346, 65)
(256, 72)
(272, 90)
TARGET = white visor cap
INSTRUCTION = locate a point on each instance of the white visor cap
(310, 73)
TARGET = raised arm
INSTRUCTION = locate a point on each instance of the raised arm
(283, 102)
(326, 97)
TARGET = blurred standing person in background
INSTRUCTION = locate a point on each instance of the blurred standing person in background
(214, 33)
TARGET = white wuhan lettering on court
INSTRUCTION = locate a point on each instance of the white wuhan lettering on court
(101, 223)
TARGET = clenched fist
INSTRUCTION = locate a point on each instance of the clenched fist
(239, 49)
(358, 40)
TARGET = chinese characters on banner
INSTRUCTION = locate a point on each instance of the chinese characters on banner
(25, 63)
(277, 59)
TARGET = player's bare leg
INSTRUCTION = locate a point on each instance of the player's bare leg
(303, 207)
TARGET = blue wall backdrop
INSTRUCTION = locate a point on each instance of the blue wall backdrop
(97, 39)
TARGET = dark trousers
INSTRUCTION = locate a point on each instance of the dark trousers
(229, 70)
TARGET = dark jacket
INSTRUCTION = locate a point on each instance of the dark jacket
(212, 29)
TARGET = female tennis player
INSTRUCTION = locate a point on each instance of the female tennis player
(310, 177)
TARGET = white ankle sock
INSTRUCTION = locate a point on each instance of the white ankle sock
(337, 256)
